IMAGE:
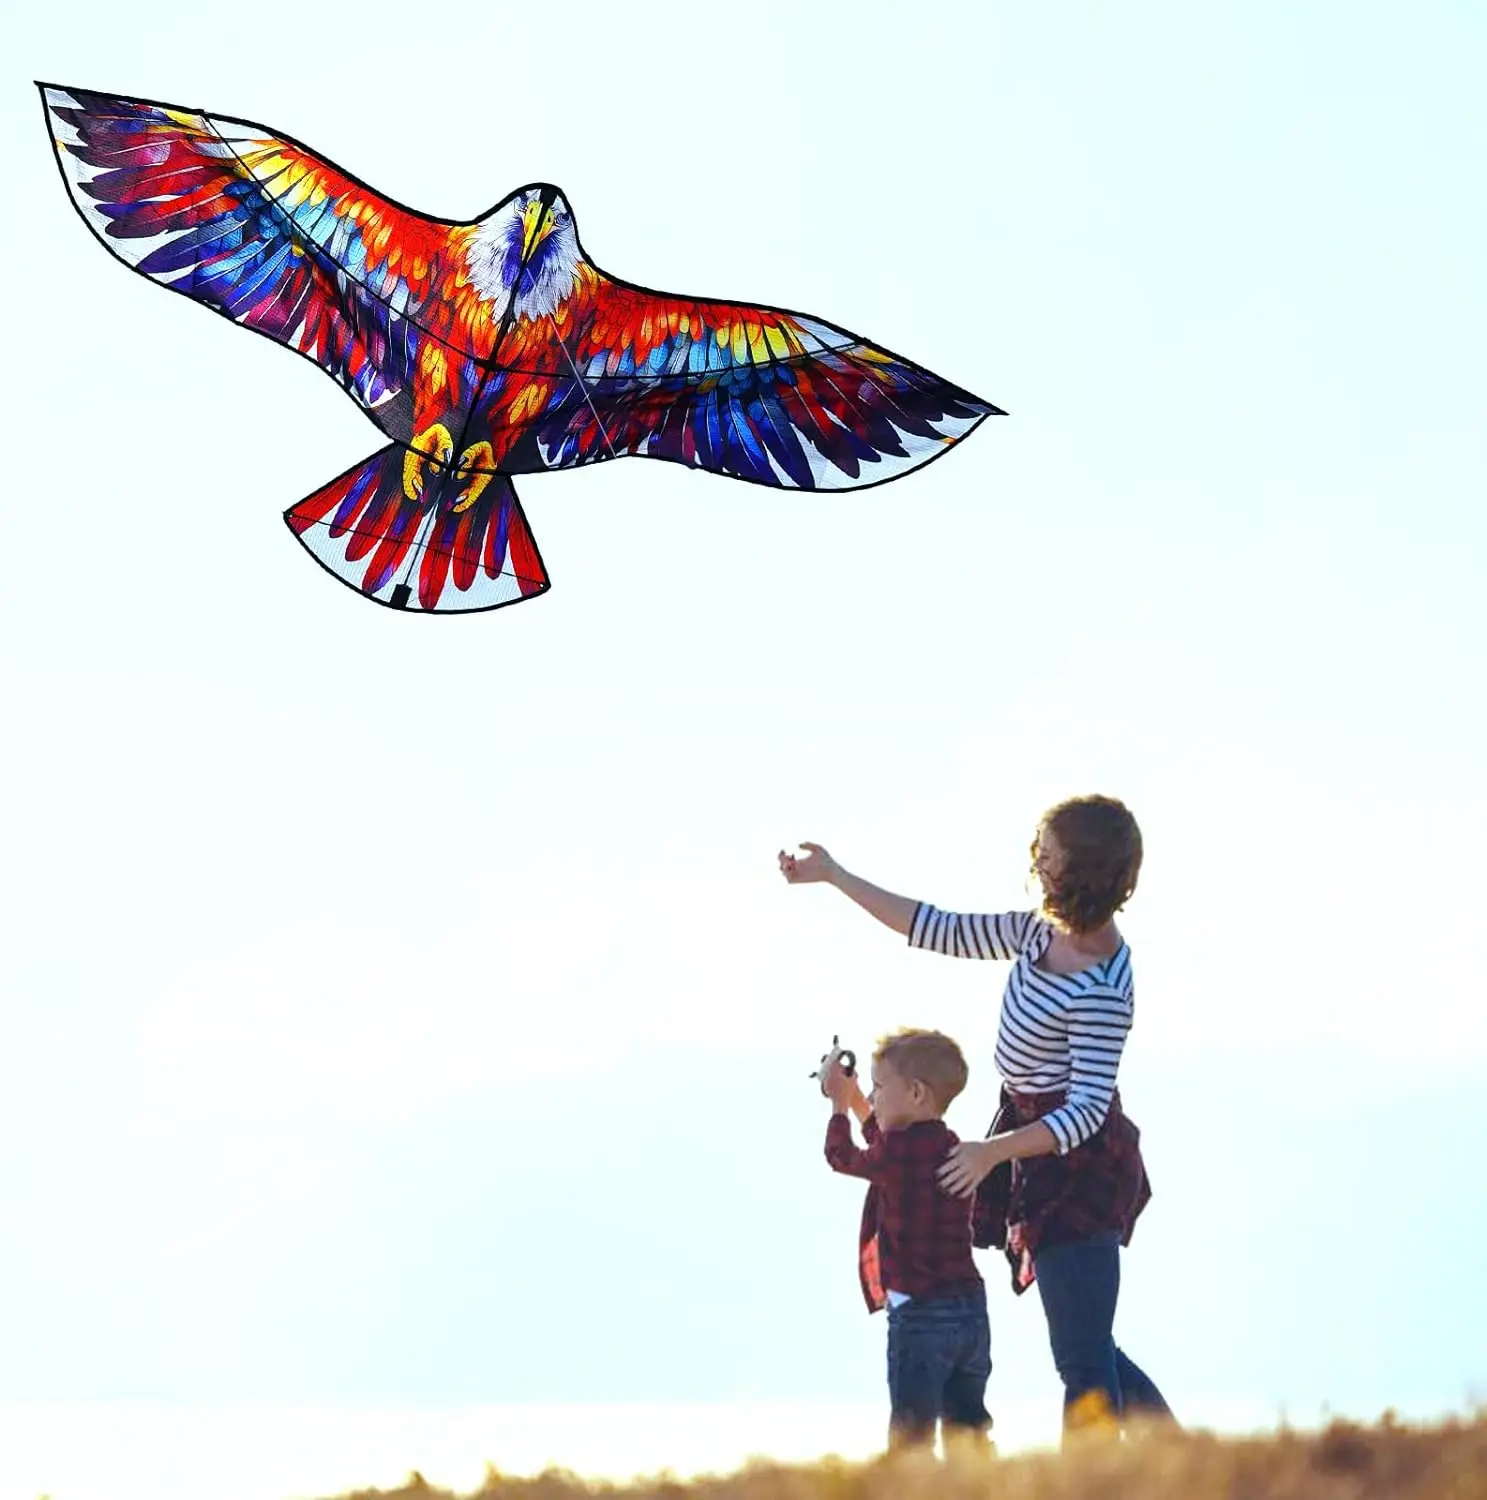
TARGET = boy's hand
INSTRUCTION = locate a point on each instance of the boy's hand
(840, 1086)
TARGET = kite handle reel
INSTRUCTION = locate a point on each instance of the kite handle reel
(844, 1055)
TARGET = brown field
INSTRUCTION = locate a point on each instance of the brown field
(1388, 1461)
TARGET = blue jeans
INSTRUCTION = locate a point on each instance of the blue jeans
(1079, 1283)
(939, 1360)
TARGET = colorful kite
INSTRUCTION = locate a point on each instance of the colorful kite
(482, 349)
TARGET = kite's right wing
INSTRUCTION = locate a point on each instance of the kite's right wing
(754, 393)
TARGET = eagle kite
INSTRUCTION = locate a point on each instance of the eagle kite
(481, 349)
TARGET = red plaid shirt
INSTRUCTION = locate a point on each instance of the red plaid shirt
(915, 1238)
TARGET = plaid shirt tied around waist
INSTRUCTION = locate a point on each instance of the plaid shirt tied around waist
(1050, 1200)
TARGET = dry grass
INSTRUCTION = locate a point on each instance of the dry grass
(1388, 1461)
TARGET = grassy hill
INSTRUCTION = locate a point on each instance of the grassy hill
(1388, 1461)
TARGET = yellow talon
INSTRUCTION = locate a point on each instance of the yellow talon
(433, 442)
(477, 463)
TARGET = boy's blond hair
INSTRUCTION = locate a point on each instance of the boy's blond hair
(928, 1057)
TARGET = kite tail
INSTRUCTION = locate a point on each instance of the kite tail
(412, 533)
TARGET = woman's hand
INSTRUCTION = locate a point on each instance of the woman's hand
(803, 869)
(967, 1164)
(892, 911)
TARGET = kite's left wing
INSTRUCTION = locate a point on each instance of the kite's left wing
(755, 393)
(259, 229)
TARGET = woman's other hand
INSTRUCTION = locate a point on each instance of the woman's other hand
(805, 868)
(967, 1164)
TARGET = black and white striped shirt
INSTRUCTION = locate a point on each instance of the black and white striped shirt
(1057, 1031)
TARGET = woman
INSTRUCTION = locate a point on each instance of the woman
(1059, 1180)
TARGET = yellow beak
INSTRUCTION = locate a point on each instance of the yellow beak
(536, 226)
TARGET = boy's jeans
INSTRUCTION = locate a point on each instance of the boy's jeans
(1079, 1283)
(939, 1360)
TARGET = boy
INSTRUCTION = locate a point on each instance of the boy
(914, 1252)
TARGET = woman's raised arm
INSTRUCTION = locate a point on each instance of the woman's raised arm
(892, 911)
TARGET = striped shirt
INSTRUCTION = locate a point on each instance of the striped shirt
(1057, 1031)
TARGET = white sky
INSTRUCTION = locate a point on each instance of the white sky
(406, 1015)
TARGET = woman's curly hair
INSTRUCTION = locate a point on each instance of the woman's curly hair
(1102, 858)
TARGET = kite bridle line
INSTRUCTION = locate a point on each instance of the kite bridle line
(487, 365)
(603, 430)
